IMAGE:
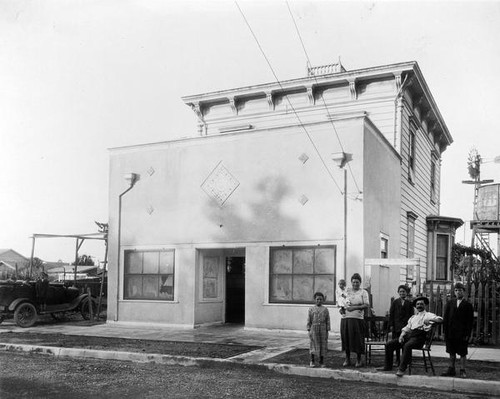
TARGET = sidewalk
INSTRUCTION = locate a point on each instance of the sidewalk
(273, 343)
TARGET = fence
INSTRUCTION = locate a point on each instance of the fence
(485, 299)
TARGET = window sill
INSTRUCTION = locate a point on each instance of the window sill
(147, 301)
(215, 300)
(302, 305)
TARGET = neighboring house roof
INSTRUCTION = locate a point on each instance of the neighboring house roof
(6, 265)
(70, 269)
(12, 257)
(49, 266)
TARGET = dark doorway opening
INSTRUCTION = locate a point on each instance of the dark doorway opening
(235, 289)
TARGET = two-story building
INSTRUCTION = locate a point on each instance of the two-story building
(287, 187)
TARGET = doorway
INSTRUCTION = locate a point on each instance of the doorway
(235, 289)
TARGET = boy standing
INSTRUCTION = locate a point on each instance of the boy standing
(458, 319)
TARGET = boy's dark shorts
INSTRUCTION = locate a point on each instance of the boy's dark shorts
(456, 347)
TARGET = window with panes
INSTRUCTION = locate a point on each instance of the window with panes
(442, 250)
(433, 179)
(384, 247)
(411, 156)
(295, 274)
(410, 245)
(149, 275)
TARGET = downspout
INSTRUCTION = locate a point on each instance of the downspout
(132, 178)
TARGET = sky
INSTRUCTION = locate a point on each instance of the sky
(78, 77)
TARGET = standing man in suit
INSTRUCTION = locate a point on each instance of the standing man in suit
(399, 314)
(458, 319)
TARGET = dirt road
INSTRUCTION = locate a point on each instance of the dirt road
(39, 376)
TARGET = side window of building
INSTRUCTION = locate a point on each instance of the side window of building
(410, 244)
(149, 275)
(433, 178)
(295, 274)
(384, 246)
(411, 156)
(442, 250)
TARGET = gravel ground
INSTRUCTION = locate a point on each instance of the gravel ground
(37, 376)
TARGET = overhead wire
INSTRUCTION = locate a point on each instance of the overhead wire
(324, 102)
(289, 102)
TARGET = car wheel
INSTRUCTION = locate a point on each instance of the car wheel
(85, 309)
(25, 315)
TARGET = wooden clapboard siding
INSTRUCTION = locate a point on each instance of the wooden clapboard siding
(416, 195)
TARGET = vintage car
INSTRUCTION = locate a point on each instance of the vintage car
(26, 300)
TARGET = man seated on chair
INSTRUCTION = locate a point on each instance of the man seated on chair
(412, 336)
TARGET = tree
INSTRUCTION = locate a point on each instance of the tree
(474, 264)
(84, 260)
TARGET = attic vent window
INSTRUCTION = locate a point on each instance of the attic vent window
(325, 69)
(235, 128)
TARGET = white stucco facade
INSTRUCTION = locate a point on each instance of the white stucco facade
(258, 181)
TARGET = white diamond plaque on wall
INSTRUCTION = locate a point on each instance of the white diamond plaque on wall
(220, 184)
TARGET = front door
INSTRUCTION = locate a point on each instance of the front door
(235, 289)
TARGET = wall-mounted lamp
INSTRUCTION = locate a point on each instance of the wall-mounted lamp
(341, 158)
(131, 178)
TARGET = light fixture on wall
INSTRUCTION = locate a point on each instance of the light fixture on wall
(131, 178)
(341, 159)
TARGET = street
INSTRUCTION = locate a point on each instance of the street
(40, 376)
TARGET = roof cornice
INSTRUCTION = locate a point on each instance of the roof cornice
(304, 82)
(425, 88)
(408, 72)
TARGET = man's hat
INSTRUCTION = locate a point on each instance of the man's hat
(420, 298)
(459, 285)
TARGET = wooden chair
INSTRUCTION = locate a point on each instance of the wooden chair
(377, 333)
(426, 359)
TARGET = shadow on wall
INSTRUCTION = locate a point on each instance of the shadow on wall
(262, 220)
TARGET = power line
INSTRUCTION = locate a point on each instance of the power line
(289, 102)
(324, 102)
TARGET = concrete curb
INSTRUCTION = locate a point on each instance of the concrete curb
(410, 381)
